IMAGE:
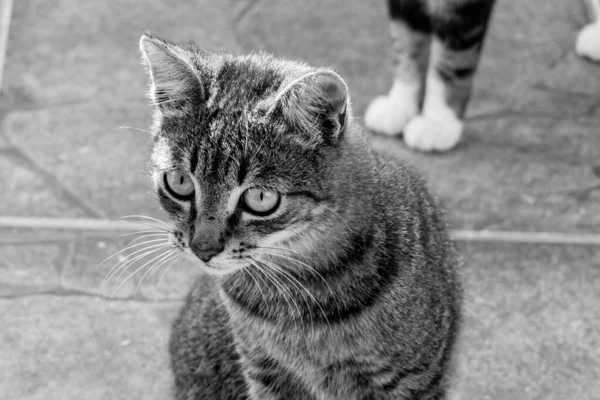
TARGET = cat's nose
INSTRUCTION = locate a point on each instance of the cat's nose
(205, 254)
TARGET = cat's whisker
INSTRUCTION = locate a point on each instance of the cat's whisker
(144, 224)
(337, 215)
(130, 259)
(146, 217)
(260, 146)
(261, 279)
(310, 268)
(133, 273)
(160, 103)
(133, 245)
(174, 253)
(246, 143)
(125, 266)
(287, 296)
(159, 261)
(140, 232)
(134, 128)
(148, 225)
(299, 284)
(166, 256)
(149, 235)
(248, 271)
(236, 161)
(283, 249)
(175, 260)
(130, 246)
(293, 281)
(291, 252)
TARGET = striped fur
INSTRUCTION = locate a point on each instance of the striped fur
(450, 33)
(348, 290)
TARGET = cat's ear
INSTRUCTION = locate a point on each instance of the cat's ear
(175, 85)
(316, 104)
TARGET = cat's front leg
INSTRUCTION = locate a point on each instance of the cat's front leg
(259, 391)
(267, 380)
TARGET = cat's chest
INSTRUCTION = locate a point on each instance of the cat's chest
(298, 344)
(317, 358)
(304, 346)
(302, 342)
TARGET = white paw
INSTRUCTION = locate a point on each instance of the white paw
(588, 42)
(428, 134)
(389, 114)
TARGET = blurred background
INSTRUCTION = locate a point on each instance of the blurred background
(72, 145)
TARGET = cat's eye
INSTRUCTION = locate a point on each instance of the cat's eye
(180, 185)
(260, 201)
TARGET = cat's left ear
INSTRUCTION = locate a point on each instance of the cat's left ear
(316, 104)
(175, 86)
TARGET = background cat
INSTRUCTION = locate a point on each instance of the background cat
(436, 46)
(330, 271)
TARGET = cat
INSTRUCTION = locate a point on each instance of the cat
(328, 269)
(427, 107)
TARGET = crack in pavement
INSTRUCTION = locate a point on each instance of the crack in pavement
(64, 292)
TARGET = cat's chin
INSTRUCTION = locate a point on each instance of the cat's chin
(219, 271)
(217, 267)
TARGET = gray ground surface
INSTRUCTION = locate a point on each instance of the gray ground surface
(527, 163)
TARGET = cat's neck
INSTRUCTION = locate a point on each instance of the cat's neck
(330, 283)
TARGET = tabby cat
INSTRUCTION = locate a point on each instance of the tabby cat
(329, 270)
(430, 117)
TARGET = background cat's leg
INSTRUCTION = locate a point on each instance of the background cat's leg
(459, 29)
(410, 31)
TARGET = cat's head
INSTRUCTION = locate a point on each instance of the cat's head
(243, 154)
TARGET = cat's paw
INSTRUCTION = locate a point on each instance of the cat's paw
(389, 114)
(427, 134)
(588, 42)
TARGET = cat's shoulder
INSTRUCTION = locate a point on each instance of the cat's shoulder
(397, 172)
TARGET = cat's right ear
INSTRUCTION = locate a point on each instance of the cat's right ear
(175, 86)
